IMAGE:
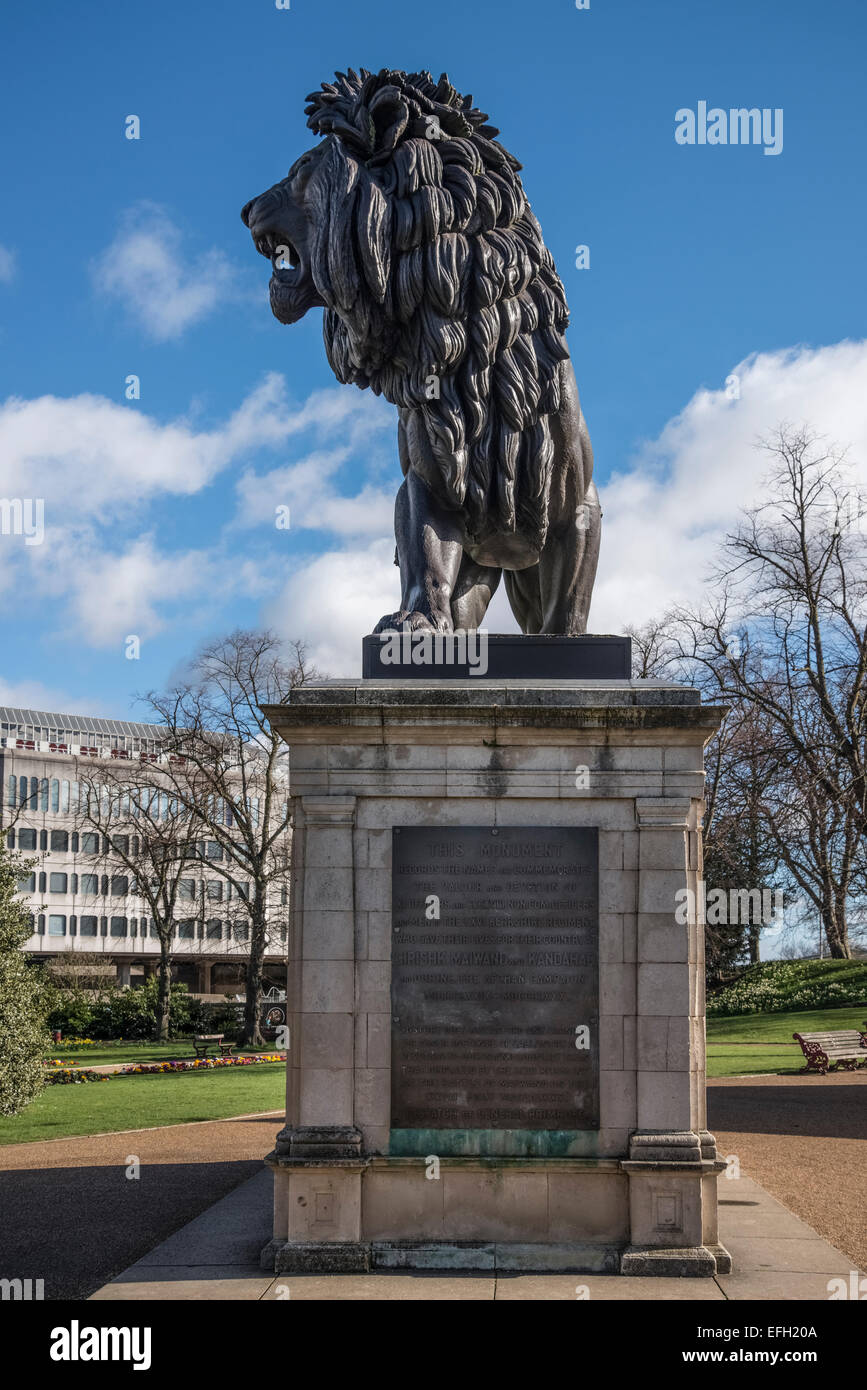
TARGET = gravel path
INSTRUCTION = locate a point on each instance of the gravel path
(73, 1218)
(802, 1138)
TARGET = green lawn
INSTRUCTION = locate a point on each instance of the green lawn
(140, 1102)
(732, 1048)
(747, 1061)
(778, 1028)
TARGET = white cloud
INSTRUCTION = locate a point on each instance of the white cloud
(108, 571)
(100, 466)
(147, 269)
(664, 514)
(334, 600)
(32, 694)
(667, 512)
(7, 265)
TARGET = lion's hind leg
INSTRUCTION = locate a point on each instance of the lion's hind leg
(525, 598)
(474, 588)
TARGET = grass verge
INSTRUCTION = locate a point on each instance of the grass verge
(141, 1102)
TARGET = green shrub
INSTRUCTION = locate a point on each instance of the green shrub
(124, 1013)
(23, 1001)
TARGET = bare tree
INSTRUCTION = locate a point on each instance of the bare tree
(741, 763)
(784, 634)
(140, 822)
(234, 778)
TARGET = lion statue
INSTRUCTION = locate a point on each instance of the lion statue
(409, 225)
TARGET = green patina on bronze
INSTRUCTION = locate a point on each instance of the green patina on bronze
(514, 1143)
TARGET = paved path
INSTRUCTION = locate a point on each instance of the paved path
(215, 1257)
(802, 1137)
(71, 1216)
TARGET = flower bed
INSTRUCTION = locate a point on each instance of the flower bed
(784, 986)
(74, 1076)
(200, 1064)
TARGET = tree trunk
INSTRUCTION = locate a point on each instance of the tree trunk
(837, 929)
(164, 993)
(252, 1008)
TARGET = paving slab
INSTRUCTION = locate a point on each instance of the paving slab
(605, 1288)
(401, 1288)
(775, 1286)
(191, 1282)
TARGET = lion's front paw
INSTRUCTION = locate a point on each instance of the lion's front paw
(405, 621)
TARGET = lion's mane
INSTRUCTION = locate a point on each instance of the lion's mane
(435, 278)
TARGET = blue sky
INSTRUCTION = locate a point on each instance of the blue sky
(123, 257)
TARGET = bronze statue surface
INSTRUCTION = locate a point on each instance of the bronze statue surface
(408, 223)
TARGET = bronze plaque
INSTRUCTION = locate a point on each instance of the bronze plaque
(495, 1000)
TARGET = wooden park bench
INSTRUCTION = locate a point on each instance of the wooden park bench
(202, 1041)
(847, 1049)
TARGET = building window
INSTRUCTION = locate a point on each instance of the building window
(87, 926)
(187, 930)
(213, 850)
(42, 883)
(43, 839)
(10, 839)
(56, 925)
(90, 842)
(240, 933)
(215, 929)
(43, 794)
(73, 800)
(120, 843)
(187, 888)
(215, 890)
(40, 924)
(22, 791)
(118, 926)
(64, 797)
(57, 883)
(89, 884)
(26, 839)
(119, 885)
(75, 842)
(55, 794)
(11, 789)
(60, 839)
(27, 885)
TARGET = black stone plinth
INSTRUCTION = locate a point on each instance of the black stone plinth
(427, 656)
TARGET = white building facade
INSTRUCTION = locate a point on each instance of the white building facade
(82, 896)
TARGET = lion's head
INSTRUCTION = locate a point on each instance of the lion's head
(409, 224)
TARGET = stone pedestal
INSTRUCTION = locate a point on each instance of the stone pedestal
(635, 1193)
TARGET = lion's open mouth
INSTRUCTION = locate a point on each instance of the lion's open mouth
(279, 250)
